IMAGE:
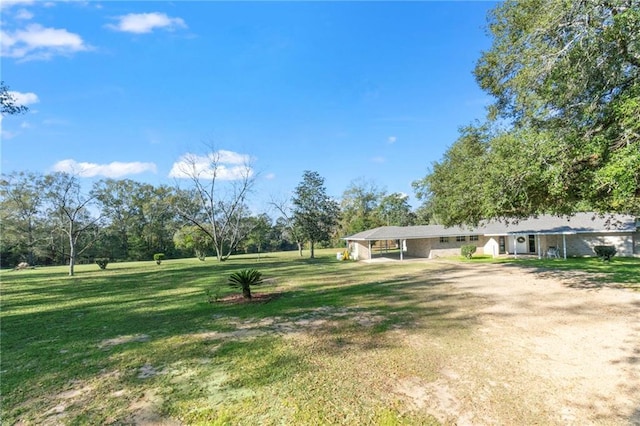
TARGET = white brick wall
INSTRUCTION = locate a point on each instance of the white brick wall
(582, 244)
(577, 245)
(432, 247)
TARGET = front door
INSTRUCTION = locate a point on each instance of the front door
(522, 245)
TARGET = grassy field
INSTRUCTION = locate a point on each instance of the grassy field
(140, 342)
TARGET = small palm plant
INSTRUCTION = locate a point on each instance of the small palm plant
(245, 279)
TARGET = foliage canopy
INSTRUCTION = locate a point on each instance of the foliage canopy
(244, 279)
(564, 131)
(8, 102)
(315, 213)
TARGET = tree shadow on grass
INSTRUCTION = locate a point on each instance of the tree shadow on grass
(53, 329)
(587, 273)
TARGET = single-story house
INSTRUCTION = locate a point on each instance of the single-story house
(541, 236)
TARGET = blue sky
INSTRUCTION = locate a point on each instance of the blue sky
(352, 90)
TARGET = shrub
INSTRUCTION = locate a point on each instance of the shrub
(605, 252)
(212, 296)
(102, 262)
(158, 257)
(467, 250)
(245, 279)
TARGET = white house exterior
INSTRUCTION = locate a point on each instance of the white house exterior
(543, 235)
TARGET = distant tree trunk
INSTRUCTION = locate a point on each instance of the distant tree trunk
(72, 257)
(299, 247)
(311, 245)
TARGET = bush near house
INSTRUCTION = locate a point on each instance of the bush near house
(467, 250)
(605, 252)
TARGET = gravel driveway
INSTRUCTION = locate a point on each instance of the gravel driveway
(567, 348)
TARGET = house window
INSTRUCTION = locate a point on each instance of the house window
(444, 239)
(473, 238)
(461, 238)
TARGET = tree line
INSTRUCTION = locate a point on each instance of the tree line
(50, 220)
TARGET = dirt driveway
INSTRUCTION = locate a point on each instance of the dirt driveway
(570, 350)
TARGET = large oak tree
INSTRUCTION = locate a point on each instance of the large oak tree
(564, 132)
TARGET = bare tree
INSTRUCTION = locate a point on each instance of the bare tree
(71, 209)
(285, 211)
(216, 202)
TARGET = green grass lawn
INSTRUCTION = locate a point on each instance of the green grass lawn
(104, 345)
(140, 342)
(621, 271)
(624, 271)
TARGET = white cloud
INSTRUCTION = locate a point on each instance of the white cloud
(392, 139)
(141, 23)
(38, 42)
(24, 14)
(230, 157)
(5, 4)
(227, 165)
(24, 99)
(115, 169)
(55, 122)
(5, 134)
(270, 176)
(378, 159)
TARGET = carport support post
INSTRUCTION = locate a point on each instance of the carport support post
(515, 246)
(370, 256)
(401, 246)
(564, 245)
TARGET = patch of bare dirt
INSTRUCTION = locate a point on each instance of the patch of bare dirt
(145, 411)
(436, 397)
(314, 319)
(121, 340)
(255, 298)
